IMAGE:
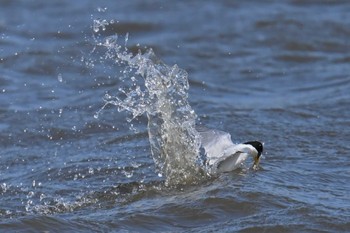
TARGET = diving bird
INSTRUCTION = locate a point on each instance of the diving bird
(222, 155)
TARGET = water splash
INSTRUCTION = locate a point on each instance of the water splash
(160, 92)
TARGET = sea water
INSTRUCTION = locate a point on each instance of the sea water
(275, 71)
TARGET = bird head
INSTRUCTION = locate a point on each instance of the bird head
(258, 146)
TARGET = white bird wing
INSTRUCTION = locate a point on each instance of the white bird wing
(233, 158)
(214, 142)
(230, 162)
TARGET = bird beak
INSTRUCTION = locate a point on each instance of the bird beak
(256, 163)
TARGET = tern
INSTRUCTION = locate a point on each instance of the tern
(222, 155)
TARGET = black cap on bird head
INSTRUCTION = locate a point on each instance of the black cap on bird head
(257, 145)
(259, 148)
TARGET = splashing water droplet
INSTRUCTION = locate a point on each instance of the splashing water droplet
(42, 196)
(101, 9)
(128, 174)
(4, 187)
(97, 24)
(30, 194)
(160, 92)
(126, 38)
(59, 77)
(60, 111)
(91, 170)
